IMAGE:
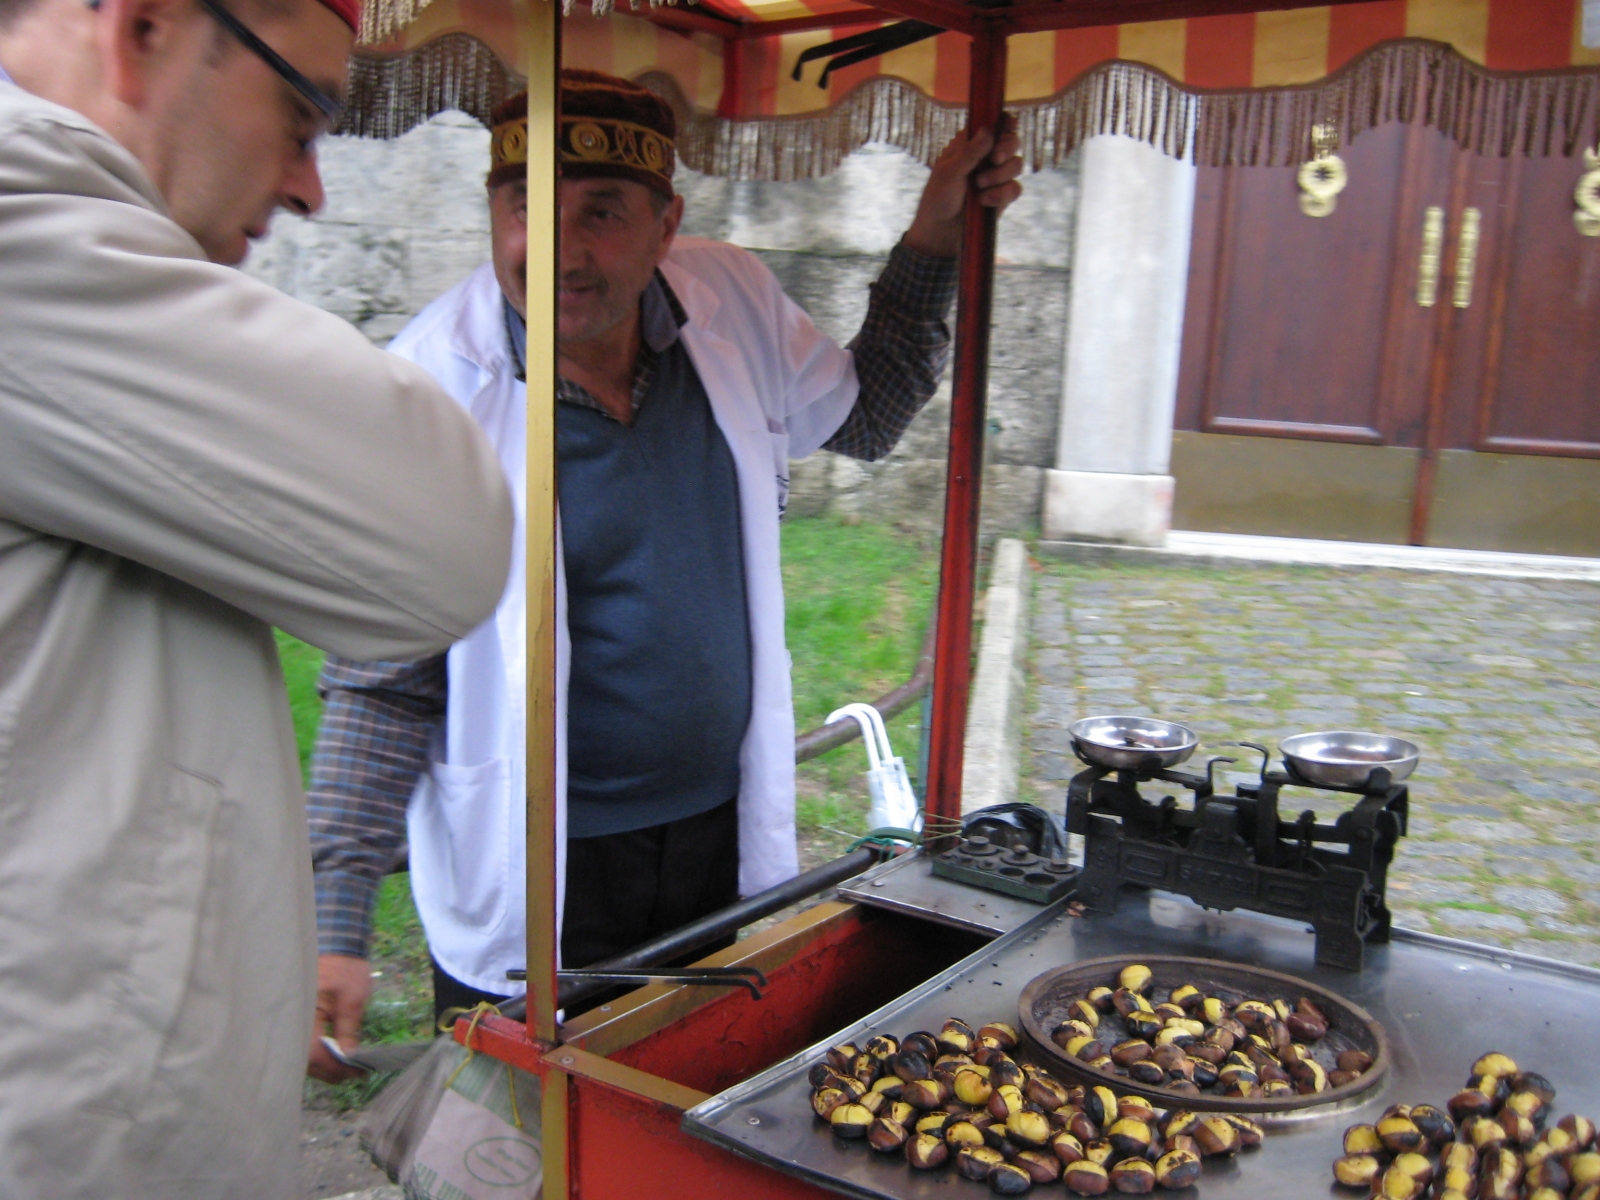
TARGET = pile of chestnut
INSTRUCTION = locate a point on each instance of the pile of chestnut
(959, 1097)
(1491, 1142)
(1193, 1042)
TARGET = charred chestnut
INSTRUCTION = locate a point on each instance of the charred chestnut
(1581, 1129)
(975, 1162)
(1028, 1129)
(1177, 1169)
(1362, 1139)
(1086, 1178)
(1100, 1104)
(886, 1135)
(1216, 1136)
(1495, 1064)
(1100, 997)
(1356, 1061)
(1067, 1148)
(1356, 1170)
(1127, 1003)
(1133, 1176)
(1005, 1100)
(1007, 1179)
(851, 1120)
(925, 1151)
(1041, 1165)
(1136, 978)
(1130, 1137)
(1044, 1091)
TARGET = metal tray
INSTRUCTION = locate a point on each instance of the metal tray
(1044, 1006)
(1442, 1002)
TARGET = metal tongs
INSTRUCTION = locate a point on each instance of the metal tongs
(745, 977)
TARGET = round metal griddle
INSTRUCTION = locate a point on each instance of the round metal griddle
(1044, 1003)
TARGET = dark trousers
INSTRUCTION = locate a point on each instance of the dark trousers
(627, 888)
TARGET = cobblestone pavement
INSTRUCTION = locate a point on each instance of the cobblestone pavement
(1497, 680)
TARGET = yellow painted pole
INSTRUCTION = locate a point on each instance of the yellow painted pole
(544, 100)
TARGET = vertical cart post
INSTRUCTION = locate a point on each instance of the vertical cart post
(543, 27)
(952, 667)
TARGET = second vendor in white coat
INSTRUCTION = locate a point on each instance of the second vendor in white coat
(688, 380)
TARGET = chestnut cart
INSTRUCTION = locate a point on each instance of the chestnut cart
(685, 1090)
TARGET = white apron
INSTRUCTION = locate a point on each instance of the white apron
(778, 389)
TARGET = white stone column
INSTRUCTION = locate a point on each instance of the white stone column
(1130, 273)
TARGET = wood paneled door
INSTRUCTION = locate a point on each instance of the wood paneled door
(1422, 364)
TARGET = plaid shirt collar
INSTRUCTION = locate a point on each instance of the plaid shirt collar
(661, 316)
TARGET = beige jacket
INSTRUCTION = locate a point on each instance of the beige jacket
(187, 458)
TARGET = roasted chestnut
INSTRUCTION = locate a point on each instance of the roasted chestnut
(1417, 1165)
(1007, 1179)
(1127, 1003)
(1086, 1178)
(1041, 1165)
(1551, 1173)
(1484, 1134)
(1100, 997)
(1134, 1176)
(1520, 1131)
(1469, 1103)
(1004, 1072)
(1130, 1137)
(883, 1046)
(840, 1057)
(1167, 1010)
(1497, 1065)
(1082, 1010)
(1584, 1169)
(1356, 1170)
(1124, 1054)
(956, 1037)
(1100, 1104)
(971, 1087)
(1044, 1091)
(1214, 1010)
(933, 1122)
(963, 1133)
(1581, 1129)
(1067, 1148)
(911, 1065)
(1099, 1152)
(1435, 1124)
(975, 1162)
(886, 1135)
(925, 1151)
(825, 1100)
(1255, 1015)
(994, 1136)
(1177, 1169)
(1276, 1089)
(873, 1102)
(1362, 1139)
(1147, 1072)
(1395, 1184)
(1310, 1077)
(851, 1120)
(1215, 1135)
(1250, 1134)
(1304, 1028)
(1356, 1061)
(1028, 1129)
(1529, 1081)
(1005, 1100)
(1136, 978)
(1000, 1032)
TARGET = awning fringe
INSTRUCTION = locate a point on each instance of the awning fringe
(1412, 81)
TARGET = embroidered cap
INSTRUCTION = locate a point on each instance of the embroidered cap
(610, 128)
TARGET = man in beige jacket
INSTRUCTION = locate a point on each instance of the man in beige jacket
(187, 458)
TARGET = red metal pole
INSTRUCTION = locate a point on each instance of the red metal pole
(952, 667)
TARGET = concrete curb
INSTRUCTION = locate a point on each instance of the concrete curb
(1232, 549)
(994, 716)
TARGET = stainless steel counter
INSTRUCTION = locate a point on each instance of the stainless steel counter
(1443, 1003)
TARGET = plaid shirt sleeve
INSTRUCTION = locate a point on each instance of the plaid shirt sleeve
(378, 720)
(900, 352)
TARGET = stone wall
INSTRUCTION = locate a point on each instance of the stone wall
(405, 220)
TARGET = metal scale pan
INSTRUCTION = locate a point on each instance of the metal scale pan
(1350, 1027)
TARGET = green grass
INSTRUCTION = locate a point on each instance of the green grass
(301, 664)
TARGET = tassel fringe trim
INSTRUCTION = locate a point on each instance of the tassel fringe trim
(1411, 81)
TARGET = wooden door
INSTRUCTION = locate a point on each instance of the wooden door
(1512, 453)
(1321, 395)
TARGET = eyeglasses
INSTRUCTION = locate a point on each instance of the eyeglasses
(319, 99)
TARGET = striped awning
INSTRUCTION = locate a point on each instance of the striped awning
(1511, 75)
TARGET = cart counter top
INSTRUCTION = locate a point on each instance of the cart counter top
(1442, 1002)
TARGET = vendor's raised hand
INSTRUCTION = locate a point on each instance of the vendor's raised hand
(936, 231)
(344, 984)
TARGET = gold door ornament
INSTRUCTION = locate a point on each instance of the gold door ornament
(1323, 177)
(1587, 195)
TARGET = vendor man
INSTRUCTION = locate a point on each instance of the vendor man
(688, 380)
(187, 459)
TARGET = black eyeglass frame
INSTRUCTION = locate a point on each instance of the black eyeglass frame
(330, 108)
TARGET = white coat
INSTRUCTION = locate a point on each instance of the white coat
(778, 389)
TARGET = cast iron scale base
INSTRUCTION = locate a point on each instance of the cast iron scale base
(1227, 852)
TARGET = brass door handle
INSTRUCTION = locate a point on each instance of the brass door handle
(1432, 252)
(1467, 256)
